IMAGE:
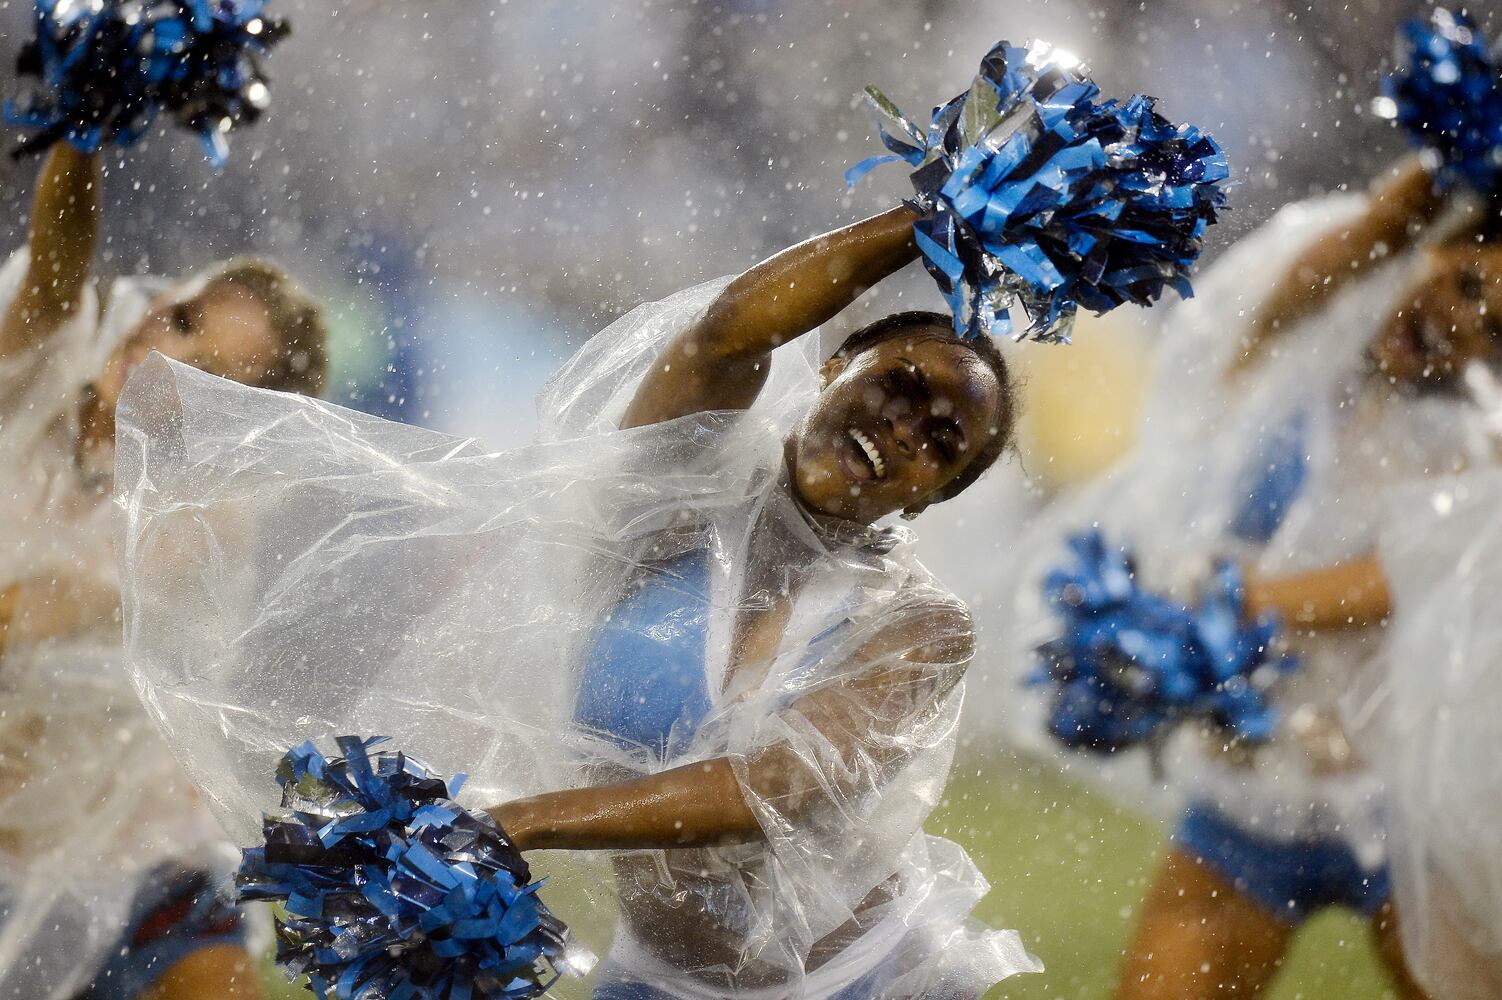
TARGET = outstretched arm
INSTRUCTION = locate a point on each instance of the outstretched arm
(697, 805)
(865, 720)
(721, 362)
(1401, 203)
(64, 230)
(1351, 594)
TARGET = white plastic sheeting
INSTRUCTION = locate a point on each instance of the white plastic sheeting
(1439, 730)
(294, 571)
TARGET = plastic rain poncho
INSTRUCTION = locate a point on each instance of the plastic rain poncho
(294, 571)
(90, 798)
(1440, 729)
(1284, 468)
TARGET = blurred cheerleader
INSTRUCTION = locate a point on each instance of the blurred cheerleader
(1276, 448)
(1334, 396)
(110, 877)
(1360, 328)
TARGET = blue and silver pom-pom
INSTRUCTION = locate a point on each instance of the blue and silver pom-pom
(100, 71)
(1446, 93)
(393, 891)
(1036, 192)
(1127, 664)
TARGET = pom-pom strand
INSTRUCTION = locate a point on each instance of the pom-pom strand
(392, 890)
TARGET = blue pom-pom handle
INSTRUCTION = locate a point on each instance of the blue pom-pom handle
(1127, 664)
(1446, 93)
(393, 891)
(100, 71)
(1037, 193)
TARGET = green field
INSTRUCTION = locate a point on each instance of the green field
(1067, 869)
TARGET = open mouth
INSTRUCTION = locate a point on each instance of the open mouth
(867, 451)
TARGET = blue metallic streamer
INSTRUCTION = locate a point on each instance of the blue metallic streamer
(392, 890)
(100, 71)
(1446, 93)
(1035, 192)
(1127, 663)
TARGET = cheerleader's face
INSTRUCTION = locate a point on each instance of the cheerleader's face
(224, 331)
(1452, 317)
(893, 426)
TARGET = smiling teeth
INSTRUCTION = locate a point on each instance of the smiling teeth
(869, 447)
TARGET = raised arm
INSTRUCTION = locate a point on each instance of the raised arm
(1401, 203)
(64, 230)
(721, 362)
(1351, 594)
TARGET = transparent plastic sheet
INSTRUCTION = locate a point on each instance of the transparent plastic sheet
(90, 797)
(1174, 499)
(294, 571)
(1439, 732)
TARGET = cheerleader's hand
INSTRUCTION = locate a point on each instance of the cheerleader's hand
(518, 819)
(1324, 741)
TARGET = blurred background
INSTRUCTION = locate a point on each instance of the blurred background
(476, 186)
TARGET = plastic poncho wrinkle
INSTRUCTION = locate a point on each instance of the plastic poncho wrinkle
(297, 571)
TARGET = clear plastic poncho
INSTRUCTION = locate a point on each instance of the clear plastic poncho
(1441, 730)
(90, 799)
(1306, 414)
(294, 571)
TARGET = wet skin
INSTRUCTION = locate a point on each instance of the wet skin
(1199, 936)
(1452, 317)
(894, 425)
(221, 330)
(924, 410)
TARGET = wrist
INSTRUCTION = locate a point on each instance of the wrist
(517, 820)
(1258, 597)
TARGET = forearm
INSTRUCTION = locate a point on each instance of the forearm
(1350, 594)
(697, 805)
(63, 233)
(721, 362)
(804, 286)
(9, 597)
(1401, 203)
(42, 609)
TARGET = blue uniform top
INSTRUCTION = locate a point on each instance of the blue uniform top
(1272, 480)
(644, 682)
